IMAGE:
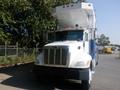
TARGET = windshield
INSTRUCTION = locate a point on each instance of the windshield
(69, 35)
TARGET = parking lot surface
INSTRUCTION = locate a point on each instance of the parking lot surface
(106, 77)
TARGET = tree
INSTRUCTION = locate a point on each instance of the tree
(4, 37)
(26, 20)
(103, 40)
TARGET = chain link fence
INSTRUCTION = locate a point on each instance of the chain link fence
(12, 55)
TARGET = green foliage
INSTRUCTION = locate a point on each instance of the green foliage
(4, 37)
(13, 60)
(24, 55)
(26, 20)
(103, 40)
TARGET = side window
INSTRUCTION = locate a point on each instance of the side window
(86, 36)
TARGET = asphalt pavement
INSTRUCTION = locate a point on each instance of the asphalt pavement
(106, 77)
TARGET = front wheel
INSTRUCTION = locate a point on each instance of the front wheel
(86, 83)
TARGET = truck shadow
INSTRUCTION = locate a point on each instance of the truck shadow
(22, 77)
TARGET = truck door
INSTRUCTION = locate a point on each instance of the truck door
(86, 42)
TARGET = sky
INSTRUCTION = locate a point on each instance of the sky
(108, 18)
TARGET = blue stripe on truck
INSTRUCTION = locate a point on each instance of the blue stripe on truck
(92, 49)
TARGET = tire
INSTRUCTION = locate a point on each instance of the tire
(96, 62)
(97, 58)
(86, 83)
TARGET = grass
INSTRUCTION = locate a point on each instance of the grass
(14, 60)
(23, 56)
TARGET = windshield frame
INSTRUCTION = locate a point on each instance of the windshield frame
(69, 35)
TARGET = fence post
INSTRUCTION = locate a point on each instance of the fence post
(5, 50)
(17, 48)
(37, 47)
(36, 50)
(24, 52)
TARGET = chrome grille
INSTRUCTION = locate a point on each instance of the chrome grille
(56, 55)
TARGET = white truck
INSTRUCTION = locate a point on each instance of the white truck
(71, 53)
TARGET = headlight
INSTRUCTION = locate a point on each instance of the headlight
(82, 63)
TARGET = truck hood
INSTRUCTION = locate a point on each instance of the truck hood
(66, 43)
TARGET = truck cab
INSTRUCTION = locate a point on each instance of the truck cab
(71, 51)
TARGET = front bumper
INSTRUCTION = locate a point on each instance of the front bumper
(60, 72)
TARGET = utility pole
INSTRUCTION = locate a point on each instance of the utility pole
(119, 51)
